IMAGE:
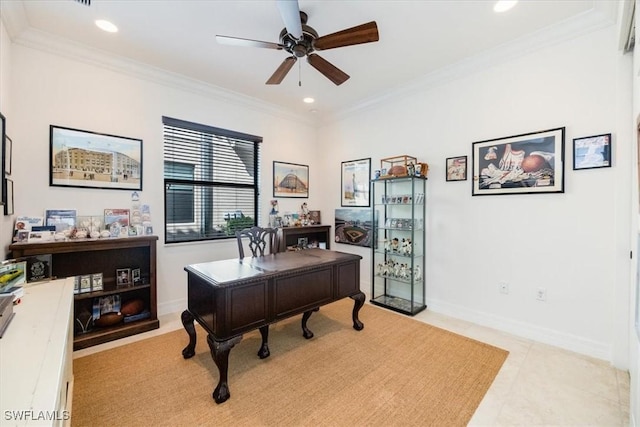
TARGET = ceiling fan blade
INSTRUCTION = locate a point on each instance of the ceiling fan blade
(364, 33)
(290, 12)
(282, 71)
(235, 41)
(329, 70)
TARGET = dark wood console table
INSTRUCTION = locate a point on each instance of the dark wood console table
(231, 297)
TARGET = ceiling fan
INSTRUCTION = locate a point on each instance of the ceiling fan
(299, 39)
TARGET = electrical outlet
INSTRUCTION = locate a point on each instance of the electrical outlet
(541, 295)
(503, 287)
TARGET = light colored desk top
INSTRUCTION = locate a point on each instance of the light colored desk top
(35, 355)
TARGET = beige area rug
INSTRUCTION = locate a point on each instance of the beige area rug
(395, 372)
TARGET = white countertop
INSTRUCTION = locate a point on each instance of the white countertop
(36, 356)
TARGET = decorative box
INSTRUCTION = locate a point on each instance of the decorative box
(398, 166)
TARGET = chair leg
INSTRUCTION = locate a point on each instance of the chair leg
(264, 352)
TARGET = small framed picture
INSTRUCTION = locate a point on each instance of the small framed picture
(457, 168)
(85, 283)
(123, 277)
(135, 276)
(96, 282)
(592, 152)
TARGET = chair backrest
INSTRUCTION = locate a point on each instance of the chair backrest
(259, 239)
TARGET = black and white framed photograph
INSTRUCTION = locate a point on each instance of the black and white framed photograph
(592, 152)
(290, 180)
(123, 277)
(354, 187)
(136, 279)
(520, 164)
(80, 158)
(457, 168)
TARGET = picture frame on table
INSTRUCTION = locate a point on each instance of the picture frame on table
(456, 168)
(521, 164)
(116, 160)
(290, 180)
(591, 152)
(354, 184)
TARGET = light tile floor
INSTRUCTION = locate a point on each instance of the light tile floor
(538, 385)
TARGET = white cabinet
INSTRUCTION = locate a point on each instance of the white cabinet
(36, 357)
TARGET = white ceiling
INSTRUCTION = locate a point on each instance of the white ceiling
(416, 38)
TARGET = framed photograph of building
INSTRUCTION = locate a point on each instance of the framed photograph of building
(86, 159)
(592, 152)
(519, 164)
(355, 183)
(290, 180)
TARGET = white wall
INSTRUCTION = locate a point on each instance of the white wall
(572, 243)
(6, 223)
(51, 89)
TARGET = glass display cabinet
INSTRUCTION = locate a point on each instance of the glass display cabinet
(398, 259)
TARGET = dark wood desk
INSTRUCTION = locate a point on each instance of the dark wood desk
(231, 297)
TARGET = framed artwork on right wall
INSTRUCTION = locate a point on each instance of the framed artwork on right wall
(592, 152)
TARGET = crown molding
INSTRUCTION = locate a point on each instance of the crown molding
(602, 15)
(39, 40)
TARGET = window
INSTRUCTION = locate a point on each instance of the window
(210, 181)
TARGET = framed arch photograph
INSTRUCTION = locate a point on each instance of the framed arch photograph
(290, 180)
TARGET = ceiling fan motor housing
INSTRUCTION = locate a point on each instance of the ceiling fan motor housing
(302, 47)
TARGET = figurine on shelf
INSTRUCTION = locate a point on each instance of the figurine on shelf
(417, 275)
(411, 169)
(274, 207)
(395, 244)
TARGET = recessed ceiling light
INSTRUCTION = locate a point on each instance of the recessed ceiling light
(504, 5)
(106, 26)
(309, 100)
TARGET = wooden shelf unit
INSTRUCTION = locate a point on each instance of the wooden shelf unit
(79, 257)
(288, 236)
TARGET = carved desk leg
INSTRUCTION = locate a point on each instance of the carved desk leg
(357, 305)
(264, 352)
(306, 332)
(187, 321)
(220, 354)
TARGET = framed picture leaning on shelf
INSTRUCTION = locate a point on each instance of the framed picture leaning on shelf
(355, 183)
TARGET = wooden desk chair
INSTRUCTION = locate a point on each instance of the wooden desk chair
(259, 239)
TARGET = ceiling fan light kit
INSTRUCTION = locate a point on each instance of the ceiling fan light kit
(300, 40)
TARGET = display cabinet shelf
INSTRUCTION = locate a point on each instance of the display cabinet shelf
(398, 255)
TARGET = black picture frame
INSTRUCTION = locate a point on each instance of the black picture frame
(3, 135)
(116, 160)
(8, 154)
(456, 168)
(528, 163)
(591, 152)
(290, 180)
(8, 190)
(354, 183)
